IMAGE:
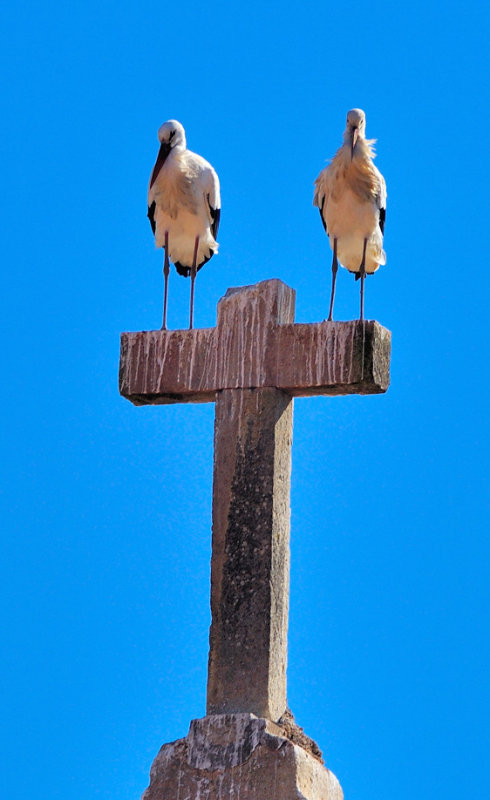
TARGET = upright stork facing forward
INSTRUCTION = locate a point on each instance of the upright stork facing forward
(183, 208)
(351, 196)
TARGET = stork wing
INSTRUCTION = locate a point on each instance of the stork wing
(215, 214)
(151, 216)
(381, 200)
(213, 199)
(382, 217)
(321, 195)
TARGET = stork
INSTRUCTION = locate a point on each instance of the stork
(351, 196)
(183, 208)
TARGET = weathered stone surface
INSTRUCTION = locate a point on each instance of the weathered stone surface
(242, 756)
(250, 563)
(332, 358)
(160, 367)
(252, 472)
(255, 344)
(248, 318)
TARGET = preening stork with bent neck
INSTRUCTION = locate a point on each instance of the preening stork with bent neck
(351, 195)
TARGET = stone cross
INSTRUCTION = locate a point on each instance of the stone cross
(252, 365)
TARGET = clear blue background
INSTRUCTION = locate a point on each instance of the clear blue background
(107, 508)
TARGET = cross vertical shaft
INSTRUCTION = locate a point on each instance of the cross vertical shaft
(251, 481)
(250, 563)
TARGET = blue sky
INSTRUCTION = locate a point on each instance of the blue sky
(106, 542)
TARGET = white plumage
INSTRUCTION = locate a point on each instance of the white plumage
(351, 195)
(183, 205)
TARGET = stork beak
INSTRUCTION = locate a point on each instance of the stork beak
(355, 136)
(161, 158)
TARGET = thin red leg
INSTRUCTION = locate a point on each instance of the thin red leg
(362, 270)
(335, 267)
(193, 278)
(166, 271)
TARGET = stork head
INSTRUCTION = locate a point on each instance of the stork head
(171, 134)
(356, 126)
(172, 137)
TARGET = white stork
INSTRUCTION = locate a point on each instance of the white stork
(351, 196)
(183, 207)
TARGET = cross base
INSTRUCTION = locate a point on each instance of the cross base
(239, 755)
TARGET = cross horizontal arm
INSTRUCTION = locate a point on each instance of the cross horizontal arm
(330, 358)
(160, 367)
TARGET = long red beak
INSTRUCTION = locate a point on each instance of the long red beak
(355, 136)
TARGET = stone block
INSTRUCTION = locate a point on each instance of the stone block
(242, 757)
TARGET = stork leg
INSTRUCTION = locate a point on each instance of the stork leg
(193, 278)
(362, 271)
(166, 271)
(335, 267)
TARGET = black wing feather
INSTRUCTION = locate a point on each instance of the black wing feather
(151, 216)
(382, 217)
(186, 271)
(215, 215)
(321, 215)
